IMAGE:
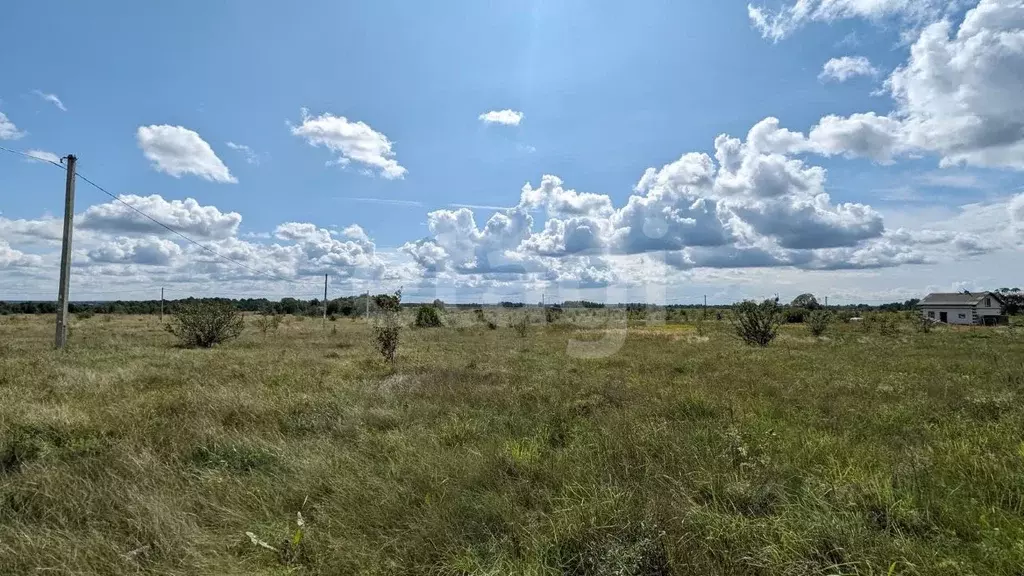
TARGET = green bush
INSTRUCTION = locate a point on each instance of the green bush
(796, 315)
(818, 321)
(883, 323)
(428, 317)
(924, 325)
(386, 327)
(521, 324)
(552, 314)
(267, 322)
(204, 323)
(757, 324)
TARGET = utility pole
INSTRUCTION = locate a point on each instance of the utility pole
(65, 254)
(705, 311)
(161, 304)
(367, 305)
(325, 301)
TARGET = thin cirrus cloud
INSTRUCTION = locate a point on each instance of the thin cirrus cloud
(847, 67)
(52, 99)
(353, 142)
(44, 156)
(386, 201)
(505, 117)
(251, 156)
(776, 25)
(416, 203)
(177, 151)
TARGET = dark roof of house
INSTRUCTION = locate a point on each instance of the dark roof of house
(958, 298)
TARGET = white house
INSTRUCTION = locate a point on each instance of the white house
(962, 307)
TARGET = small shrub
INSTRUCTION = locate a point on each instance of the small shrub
(698, 322)
(491, 325)
(521, 325)
(818, 321)
(757, 324)
(881, 322)
(268, 322)
(924, 325)
(386, 327)
(796, 315)
(428, 317)
(552, 314)
(204, 323)
(84, 315)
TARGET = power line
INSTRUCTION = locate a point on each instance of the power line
(155, 221)
(184, 237)
(30, 156)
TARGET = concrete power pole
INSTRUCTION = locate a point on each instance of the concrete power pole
(161, 304)
(65, 254)
(325, 301)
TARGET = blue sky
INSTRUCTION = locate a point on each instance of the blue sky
(602, 92)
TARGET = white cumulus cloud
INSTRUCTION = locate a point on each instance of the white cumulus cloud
(8, 131)
(506, 117)
(846, 67)
(177, 151)
(859, 135)
(353, 142)
(185, 216)
(11, 258)
(959, 94)
(150, 251)
(956, 97)
(756, 207)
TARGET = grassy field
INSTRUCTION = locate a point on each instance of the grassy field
(684, 452)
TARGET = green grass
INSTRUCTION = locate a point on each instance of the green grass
(487, 453)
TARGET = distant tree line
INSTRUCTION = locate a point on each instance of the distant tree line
(348, 306)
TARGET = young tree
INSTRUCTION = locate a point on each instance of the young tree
(757, 324)
(818, 321)
(204, 323)
(1013, 300)
(521, 324)
(807, 301)
(386, 326)
(428, 317)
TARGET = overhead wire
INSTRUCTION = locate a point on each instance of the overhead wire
(32, 157)
(157, 222)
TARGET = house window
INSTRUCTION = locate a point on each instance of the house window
(962, 316)
(988, 302)
(931, 314)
